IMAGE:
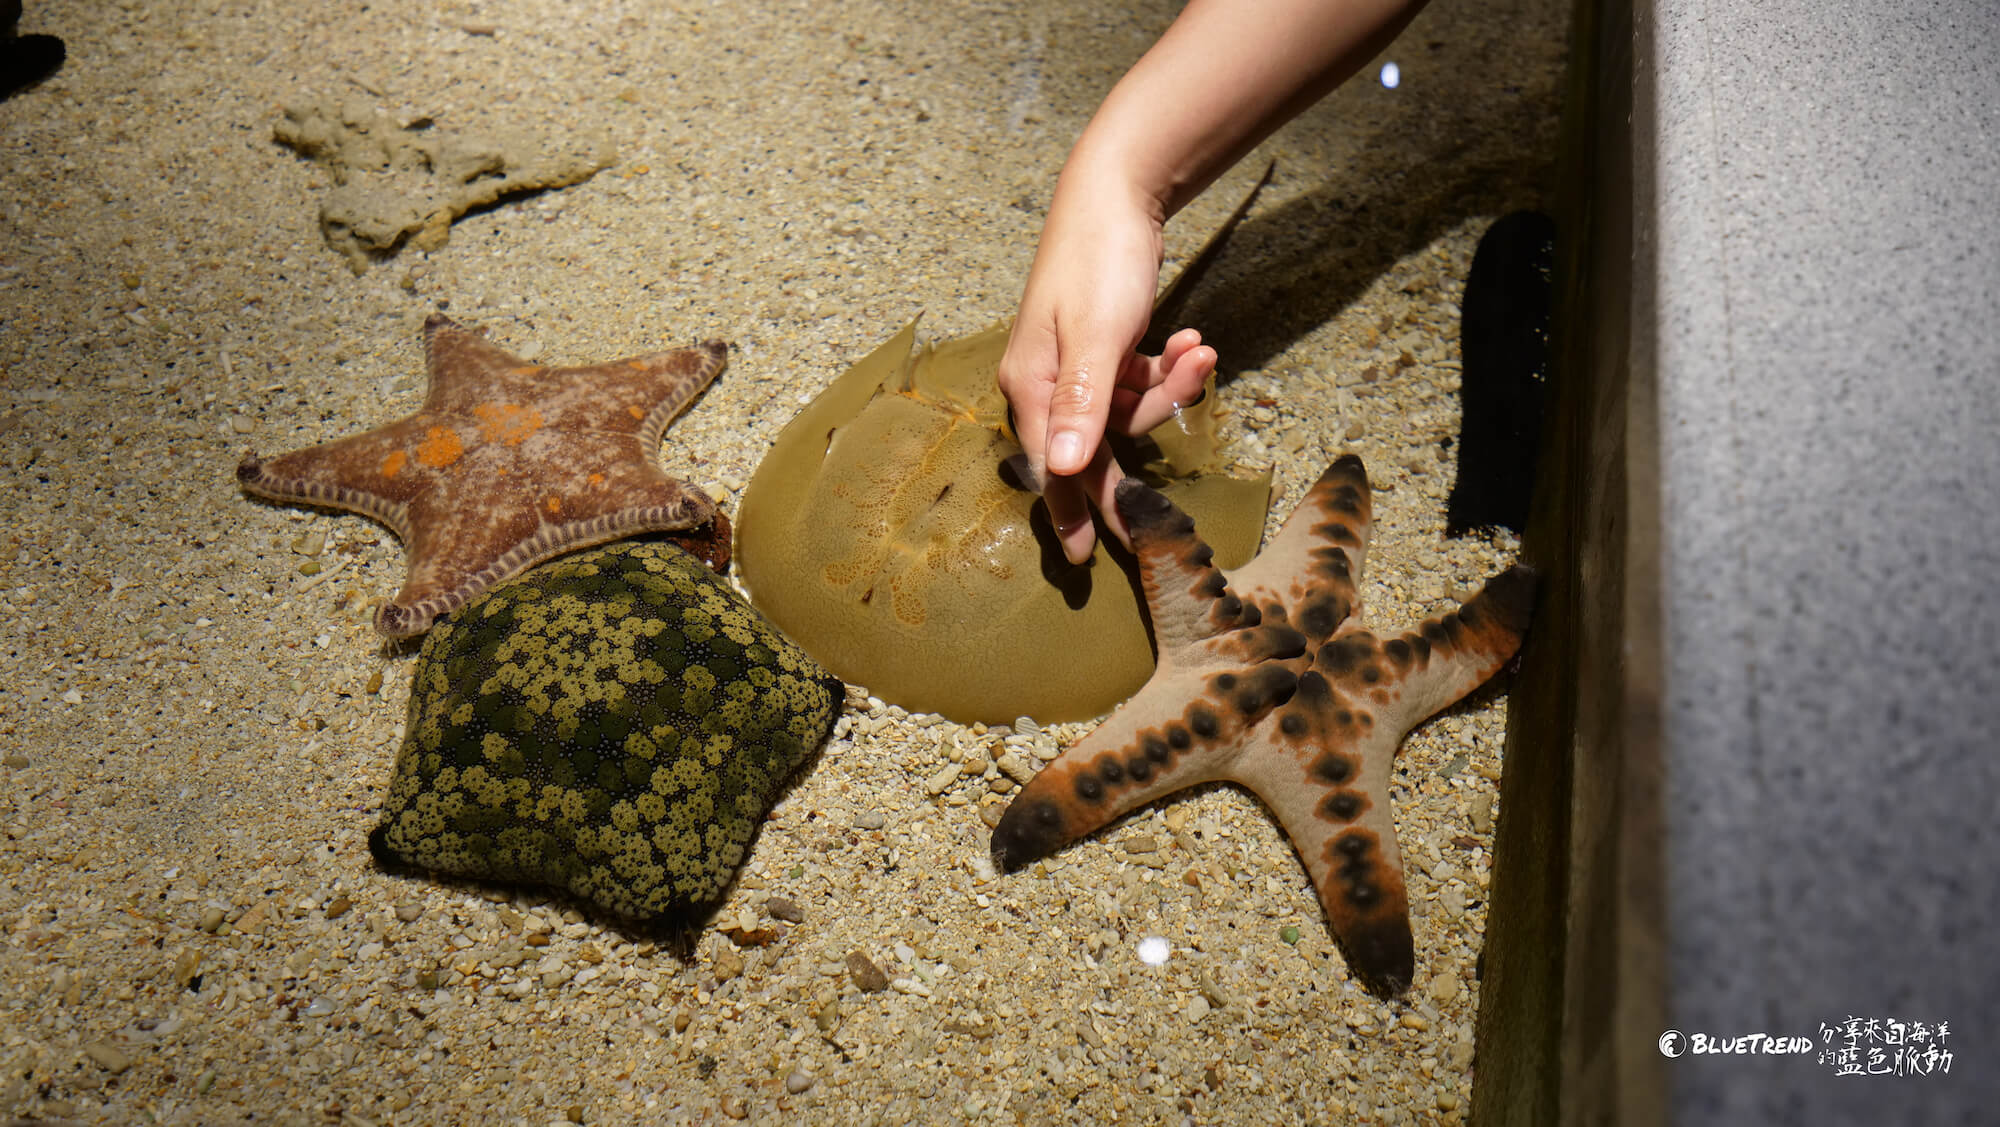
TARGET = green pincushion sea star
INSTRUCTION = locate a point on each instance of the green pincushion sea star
(616, 724)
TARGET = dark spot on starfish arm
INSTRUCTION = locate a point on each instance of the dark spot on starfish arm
(1111, 771)
(1030, 829)
(1212, 585)
(1342, 656)
(1272, 642)
(1200, 555)
(1381, 952)
(1343, 805)
(1314, 693)
(1156, 749)
(1434, 634)
(1203, 722)
(1332, 767)
(1228, 609)
(1140, 768)
(1509, 597)
(1147, 510)
(1225, 681)
(1270, 686)
(1362, 894)
(1088, 787)
(1346, 499)
(1322, 615)
(1294, 724)
(1334, 532)
(1249, 615)
(1398, 652)
(1179, 738)
(1371, 673)
(1331, 563)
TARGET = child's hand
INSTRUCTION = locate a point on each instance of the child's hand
(1222, 77)
(1071, 369)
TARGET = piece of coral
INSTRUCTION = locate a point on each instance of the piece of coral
(1267, 678)
(886, 531)
(615, 724)
(508, 464)
(393, 181)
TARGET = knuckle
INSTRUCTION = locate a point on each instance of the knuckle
(1072, 396)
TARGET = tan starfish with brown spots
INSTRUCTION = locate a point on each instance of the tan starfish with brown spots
(1266, 678)
(508, 464)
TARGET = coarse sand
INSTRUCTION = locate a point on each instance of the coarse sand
(197, 722)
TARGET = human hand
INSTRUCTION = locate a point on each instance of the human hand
(1072, 369)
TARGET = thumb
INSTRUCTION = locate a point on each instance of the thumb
(1080, 403)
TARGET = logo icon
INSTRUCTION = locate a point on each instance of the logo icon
(1672, 1043)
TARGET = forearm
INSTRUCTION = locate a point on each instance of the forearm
(1222, 78)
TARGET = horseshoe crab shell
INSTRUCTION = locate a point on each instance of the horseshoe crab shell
(886, 533)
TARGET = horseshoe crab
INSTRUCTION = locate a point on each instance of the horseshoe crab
(887, 533)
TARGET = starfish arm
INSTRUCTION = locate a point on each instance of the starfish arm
(686, 372)
(1312, 565)
(1323, 768)
(1187, 596)
(1180, 730)
(361, 474)
(1454, 653)
(461, 365)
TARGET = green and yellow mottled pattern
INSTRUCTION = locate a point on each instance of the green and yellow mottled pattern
(615, 723)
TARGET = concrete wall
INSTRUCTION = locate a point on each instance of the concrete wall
(1754, 769)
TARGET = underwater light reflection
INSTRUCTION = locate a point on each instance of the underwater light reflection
(1392, 75)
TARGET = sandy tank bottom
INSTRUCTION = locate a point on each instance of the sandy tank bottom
(197, 722)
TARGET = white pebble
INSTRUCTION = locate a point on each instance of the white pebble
(941, 778)
(1154, 949)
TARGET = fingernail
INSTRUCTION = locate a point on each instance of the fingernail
(1066, 449)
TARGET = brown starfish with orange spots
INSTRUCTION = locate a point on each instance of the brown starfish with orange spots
(508, 464)
(1266, 678)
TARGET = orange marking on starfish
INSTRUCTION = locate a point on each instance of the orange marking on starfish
(525, 370)
(553, 505)
(595, 479)
(440, 447)
(510, 423)
(635, 412)
(392, 463)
